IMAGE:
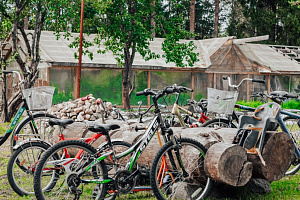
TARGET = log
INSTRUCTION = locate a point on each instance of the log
(277, 153)
(227, 163)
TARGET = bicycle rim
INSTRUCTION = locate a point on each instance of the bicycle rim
(218, 123)
(292, 126)
(167, 179)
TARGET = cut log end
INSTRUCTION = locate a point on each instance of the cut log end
(227, 163)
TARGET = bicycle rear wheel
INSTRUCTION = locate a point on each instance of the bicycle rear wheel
(21, 166)
(70, 184)
(166, 176)
(218, 123)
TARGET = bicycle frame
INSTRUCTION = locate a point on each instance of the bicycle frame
(176, 111)
(18, 116)
(136, 150)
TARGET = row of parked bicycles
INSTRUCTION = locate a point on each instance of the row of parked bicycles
(74, 169)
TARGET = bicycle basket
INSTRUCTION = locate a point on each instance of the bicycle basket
(39, 98)
(220, 101)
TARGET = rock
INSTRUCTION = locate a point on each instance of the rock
(80, 118)
(88, 111)
(72, 114)
(78, 110)
(182, 190)
(259, 185)
(87, 103)
(93, 108)
(93, 118)
(87, 117)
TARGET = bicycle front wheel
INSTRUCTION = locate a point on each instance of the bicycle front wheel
(169, 180)
(218, 123)
(66, 159)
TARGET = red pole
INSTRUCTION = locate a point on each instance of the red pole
(80, 51)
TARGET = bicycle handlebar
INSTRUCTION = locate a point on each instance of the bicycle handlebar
(245, 79)
(16, 72)
(279, 95)
(258, 81)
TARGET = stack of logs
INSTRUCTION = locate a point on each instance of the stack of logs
(224, 162)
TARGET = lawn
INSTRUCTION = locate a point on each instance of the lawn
(286, 188)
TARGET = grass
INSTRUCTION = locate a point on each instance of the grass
(286, 188)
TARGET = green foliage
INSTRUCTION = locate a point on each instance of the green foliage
(278, 19)
(253, 104)
(60, 97)
(290, 104)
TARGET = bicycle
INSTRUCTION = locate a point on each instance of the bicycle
(191, 119)
(290, 120)
(22, 163)
(34, 124)
(287, 121)
(90, 169)
(227, 101)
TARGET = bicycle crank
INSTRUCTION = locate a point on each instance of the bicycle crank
(124, 181)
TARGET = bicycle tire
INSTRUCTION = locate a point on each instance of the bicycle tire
(73, 186)
(292, 125)
(20, 166)
(218, 123)
(166, 185)
(24, 127)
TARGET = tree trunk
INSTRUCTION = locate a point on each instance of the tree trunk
(192, 16)
(152, 19)
(216, 25)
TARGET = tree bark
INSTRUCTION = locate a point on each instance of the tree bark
(216, 24)
(192, 16)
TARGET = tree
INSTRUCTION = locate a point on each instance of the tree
(28, 57)
(277, 18)
(125, 29)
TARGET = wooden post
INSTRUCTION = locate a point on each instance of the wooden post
(248, 89)
(80, 51)
(215, 80)
(269, 83)
(148, 86)
(192, 84)
(123, 101)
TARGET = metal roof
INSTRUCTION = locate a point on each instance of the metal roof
(266, 56)
(59, 52)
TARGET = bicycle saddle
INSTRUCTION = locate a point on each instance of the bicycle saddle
(103, 128)
(60, 122)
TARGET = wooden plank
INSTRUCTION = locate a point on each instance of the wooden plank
(251, 39)
(148, 86)
(192, 84)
